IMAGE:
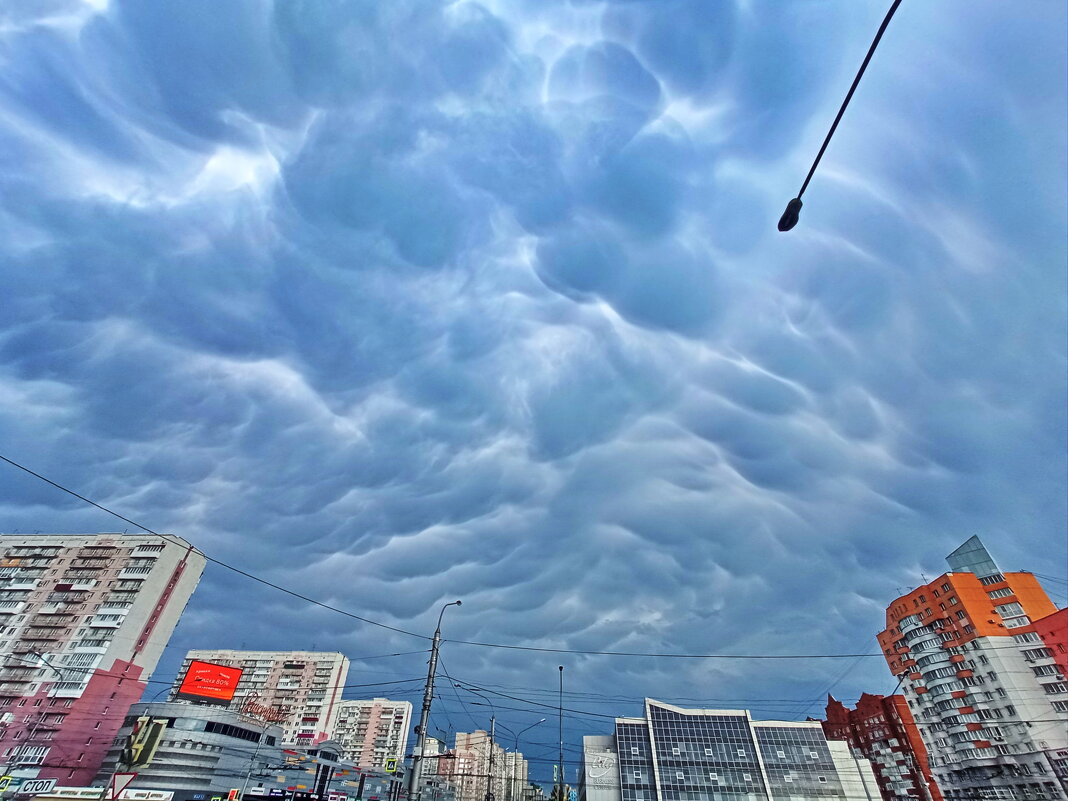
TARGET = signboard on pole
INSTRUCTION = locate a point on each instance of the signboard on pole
(119, 782)
(36, 787)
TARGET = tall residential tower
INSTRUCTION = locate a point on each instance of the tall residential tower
(987, 693)
(300, 690)
(83, 620)
(373, 732)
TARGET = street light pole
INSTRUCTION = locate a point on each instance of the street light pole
(515, 758)
(793, 208)
(428, 697)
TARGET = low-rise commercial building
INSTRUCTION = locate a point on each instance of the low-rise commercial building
(677, 754)
(207, 751)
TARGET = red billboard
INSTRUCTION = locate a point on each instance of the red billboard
(209, 683)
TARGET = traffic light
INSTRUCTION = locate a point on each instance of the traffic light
(143, 741)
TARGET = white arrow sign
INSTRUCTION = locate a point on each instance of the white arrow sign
(36, 786)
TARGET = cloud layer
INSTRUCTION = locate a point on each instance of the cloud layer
(399, 302)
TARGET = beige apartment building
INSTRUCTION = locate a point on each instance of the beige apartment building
(299, 690)
(477, 765)
(373, 732)
(84, 619)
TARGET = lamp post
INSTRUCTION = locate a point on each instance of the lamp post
(515, 756)
(793, 208)
(428, 697)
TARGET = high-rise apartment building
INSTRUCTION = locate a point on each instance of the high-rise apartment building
(882, 730)
(299, 690)
(373, 732)
(477, 765)
(987, 694)
(677, 754)
(84, 619)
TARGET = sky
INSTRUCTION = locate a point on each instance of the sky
(394, 303)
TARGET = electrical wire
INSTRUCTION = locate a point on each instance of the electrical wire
(211, 559)
(530, 648)
(580, 652)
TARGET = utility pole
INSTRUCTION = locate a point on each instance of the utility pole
(560, 785)
(424, 717)
(252, 762)
(492, 733)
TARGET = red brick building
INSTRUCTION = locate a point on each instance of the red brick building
(882, 729)
(1053, 631)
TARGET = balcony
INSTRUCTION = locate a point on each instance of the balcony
(111, 621)
(18, 584)
(76, 585)
(57, 608)
(45, 633)
(95, 646)
(134, 572)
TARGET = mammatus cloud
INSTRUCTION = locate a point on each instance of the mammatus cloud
(402, 302)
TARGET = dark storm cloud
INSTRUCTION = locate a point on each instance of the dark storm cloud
(401, 302)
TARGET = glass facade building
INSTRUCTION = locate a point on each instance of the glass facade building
(676, 754)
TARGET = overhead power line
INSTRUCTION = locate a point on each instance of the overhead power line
(581, 652)
(211, 559)
(314, 602)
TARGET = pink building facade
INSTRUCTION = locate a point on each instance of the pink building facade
(83, 622)
(373, 732)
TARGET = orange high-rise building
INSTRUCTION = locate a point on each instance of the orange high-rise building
(986, 693)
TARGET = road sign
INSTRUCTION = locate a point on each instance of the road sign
(5, 781)
(36, 786)
(119, 782)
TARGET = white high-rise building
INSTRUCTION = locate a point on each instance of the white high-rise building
(299, 690)
(373, 732)
(989, 696)
(84, 619)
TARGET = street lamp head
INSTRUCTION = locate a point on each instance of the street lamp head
(458, 603)
(790, 217)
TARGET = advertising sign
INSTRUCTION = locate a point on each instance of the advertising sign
(209, 683)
